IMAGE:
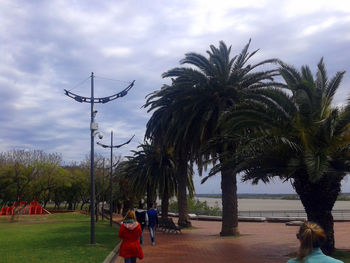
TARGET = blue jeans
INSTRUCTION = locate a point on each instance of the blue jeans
(130, 260)
(141, 237)
(152, 232)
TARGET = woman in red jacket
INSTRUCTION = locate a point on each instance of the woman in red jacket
(130, 232)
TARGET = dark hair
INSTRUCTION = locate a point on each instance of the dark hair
(310, 235)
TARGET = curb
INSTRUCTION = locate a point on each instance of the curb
(113, 255)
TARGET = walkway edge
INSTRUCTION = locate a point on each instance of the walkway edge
(113, 255)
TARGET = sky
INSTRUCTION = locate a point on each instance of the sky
(49, 46)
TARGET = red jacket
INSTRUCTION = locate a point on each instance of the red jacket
(130, 246)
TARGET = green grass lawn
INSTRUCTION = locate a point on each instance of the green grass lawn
(55, 238)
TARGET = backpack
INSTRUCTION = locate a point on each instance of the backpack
(141, 217)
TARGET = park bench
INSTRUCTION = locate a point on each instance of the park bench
(167, 224)
(162, 224)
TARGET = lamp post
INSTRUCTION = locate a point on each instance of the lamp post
(93, 132)
(110, 172)
(103, 188)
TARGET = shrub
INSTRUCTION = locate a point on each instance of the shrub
(197, 207)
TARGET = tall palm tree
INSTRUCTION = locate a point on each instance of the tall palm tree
(187, 111)
(158, 128)
(152, 171)
(298, 136)
(125, 193)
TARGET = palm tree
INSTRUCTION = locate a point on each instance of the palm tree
(187, 112)
(124, 187)
(153, 171)
(138, 173)
(297, 136)
(157, 128)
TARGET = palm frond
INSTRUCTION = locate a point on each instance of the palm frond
(333, 85)
(322, 79)
(199, 61)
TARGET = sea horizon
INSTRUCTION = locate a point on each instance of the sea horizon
(267, 204)
(258, 194)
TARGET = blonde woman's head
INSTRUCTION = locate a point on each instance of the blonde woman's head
(130, 215)
(310, 235)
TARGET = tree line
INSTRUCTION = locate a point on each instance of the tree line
(27, 175)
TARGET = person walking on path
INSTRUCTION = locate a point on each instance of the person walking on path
(142, 218)
(130, 232)
(311, 237)
(152, 222)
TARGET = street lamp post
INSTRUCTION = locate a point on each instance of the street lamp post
(111, 171)
(93, 131)
(93, 128)
(103, 188)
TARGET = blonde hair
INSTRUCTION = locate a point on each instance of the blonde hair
(310, 235)
(130, 215)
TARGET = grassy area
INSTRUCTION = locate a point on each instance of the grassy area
(58, 238)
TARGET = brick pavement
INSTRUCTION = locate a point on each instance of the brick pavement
(258, 243)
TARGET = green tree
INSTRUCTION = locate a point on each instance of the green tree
(157, 128)
(154, 170)
(22, 170)
(48, 168)
(188, 113)
(298, 136)
(123, 186)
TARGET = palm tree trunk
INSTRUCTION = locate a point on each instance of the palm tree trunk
(318, 200)
(165, 204)
(165, 198)
(118, 207)
(229, 225)
(181, 177)
(149, 197)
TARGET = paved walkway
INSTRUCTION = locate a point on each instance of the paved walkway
(258, 243)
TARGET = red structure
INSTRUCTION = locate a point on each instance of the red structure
(33, 209)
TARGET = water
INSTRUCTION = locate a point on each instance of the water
(269, 204)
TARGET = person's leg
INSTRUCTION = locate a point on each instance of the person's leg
(133, 260)
(141, 237)
(151, 232)
(127, 260)
(154, 231)
(154, 235)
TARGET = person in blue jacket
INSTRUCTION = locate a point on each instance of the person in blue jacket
(152, 222)
(311, 236)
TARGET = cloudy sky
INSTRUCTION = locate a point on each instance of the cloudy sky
(48, 46)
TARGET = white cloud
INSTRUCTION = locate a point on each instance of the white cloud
(323, 24)
(116, 52)
(297, 8)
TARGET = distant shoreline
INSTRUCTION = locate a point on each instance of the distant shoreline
(341, 197)
(260, 204)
